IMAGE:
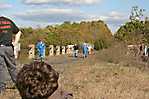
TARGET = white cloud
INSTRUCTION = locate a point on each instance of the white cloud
(52, 15)
(62, 1)
(47, 16)
(115, 18)
(5, 5)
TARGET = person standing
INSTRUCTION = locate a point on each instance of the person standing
(41, 49)
(85, 50)
(76, 49)
(8, 29)
(140, 49)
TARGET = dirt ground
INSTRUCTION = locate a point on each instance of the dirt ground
(104, 75)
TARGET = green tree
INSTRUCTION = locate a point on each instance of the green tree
(132, 32)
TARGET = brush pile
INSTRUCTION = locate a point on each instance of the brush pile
(37, 80)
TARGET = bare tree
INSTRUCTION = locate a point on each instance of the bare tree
(136, 13)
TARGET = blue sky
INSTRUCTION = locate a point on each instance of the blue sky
(35, 13)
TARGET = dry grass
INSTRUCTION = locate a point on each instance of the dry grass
(109, 74)
(106, 81)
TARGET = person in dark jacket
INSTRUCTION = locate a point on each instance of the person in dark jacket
(8, 29)
(76, 49)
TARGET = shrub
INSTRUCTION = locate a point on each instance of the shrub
(100, 44)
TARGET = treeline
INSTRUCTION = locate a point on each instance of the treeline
(136, 30)
(95, 32)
